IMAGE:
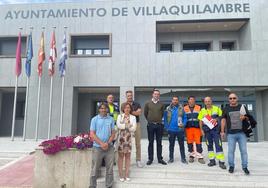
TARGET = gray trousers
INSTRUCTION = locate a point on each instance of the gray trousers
(97, 156)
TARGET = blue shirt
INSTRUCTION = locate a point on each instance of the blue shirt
(103, 127)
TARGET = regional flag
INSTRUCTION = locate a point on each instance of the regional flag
(29, 55)
(18, 57)
(63, 56)
(41, 55)
(52, 55)
(207, 120)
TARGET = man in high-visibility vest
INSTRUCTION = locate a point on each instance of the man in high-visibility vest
(209, 121)
(192, 130)
(113, 110)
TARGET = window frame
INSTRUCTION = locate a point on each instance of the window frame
(23, 55)
(223, 41)
(87, 55)
(195, 42)
(172, 44)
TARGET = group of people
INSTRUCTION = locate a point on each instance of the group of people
(113, 131)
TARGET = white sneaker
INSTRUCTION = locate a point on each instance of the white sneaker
(139, 164)
(122, 179)
(127, 179)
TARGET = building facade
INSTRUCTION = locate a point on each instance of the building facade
(183, 48)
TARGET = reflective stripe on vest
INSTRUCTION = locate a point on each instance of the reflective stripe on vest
(192, 120)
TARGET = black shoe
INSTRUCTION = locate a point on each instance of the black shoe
(231, 169)
(184, 161)
(171, 161)
(149, 162)
(212, 163)
(191, 159)
(222, 165)
(162, 162)
(246, 171)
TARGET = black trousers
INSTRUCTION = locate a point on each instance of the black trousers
(155, 130)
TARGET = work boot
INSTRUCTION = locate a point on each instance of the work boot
(201, 160)
(191, 159)
(222, 165)
(212, 162)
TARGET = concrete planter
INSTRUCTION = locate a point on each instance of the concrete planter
(66, 169)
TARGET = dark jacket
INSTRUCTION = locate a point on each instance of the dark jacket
(248, 125)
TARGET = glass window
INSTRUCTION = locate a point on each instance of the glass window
(20, 109)
(196, 47)
(168, 47)
(8, 46)
(227, 46)
(91, 45)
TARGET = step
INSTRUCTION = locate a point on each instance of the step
(172, 183)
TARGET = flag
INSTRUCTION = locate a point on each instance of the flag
(18, 57)
(52, 55)
(63, 56)
(29, 56)
(211, 123)
(41, 55)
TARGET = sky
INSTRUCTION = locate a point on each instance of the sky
(2, 2)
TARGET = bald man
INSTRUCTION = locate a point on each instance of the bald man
(209, 121)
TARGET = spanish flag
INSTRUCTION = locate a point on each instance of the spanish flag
(41, 55)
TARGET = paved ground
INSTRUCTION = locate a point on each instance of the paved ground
(19, 173)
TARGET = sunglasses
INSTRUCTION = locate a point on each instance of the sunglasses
(232, 98)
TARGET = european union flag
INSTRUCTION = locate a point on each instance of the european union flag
(29, 55)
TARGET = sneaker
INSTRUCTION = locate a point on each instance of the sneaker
(191, 159)
(149, 162)
(202, 161)
(171, 161)
(212, 163)
(246, 171)
(222, 165)
(184, 161)
(231, 169)
(122, 179)
(127, 179)
(162, 162)
(139, 164)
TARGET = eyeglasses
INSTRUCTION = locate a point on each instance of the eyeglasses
(232, 98)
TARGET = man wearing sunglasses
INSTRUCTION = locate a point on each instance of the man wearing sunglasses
(233, 118)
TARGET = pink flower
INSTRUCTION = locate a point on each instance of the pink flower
(78, 139)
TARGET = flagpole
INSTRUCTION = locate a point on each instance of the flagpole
(51, 93)
(62, 99)
(38, 97)
(50, 106)
(26, 109)
(14, 110)
(62, 104)
(26, 105)
(38, 108)
(18, 59)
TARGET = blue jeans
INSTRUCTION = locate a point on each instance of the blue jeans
(242, 142)
(172, 138)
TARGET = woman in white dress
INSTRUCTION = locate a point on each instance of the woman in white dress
(126, 124)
